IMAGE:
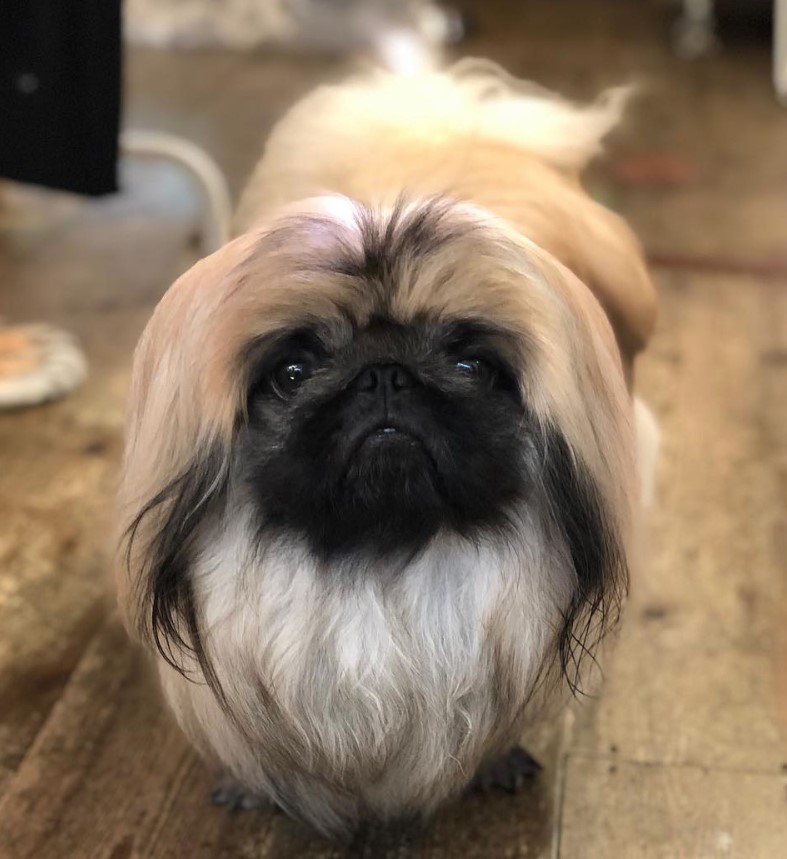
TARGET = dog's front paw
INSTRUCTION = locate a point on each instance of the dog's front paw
(231, 794)
(508, 773)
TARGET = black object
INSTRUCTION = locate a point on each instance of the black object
(60, 85)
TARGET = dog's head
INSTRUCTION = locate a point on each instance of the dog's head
(363, 383)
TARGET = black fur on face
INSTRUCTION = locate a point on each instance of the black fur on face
(376, 443)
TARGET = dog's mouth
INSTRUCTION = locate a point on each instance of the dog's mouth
(389, 437)
(390, 434)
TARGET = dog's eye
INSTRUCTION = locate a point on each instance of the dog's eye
(290, 375)
(477, 369)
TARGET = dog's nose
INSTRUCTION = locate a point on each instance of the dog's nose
(383, 378)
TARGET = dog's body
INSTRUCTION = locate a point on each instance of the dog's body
(380, 480)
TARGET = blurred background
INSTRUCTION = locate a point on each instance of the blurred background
(105, 199)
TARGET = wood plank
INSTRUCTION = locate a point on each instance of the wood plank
(693, 677)
(108, 768)
(52, 575)
(36, 815)
(673, 812)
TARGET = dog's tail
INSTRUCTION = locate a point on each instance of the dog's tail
(520, 112)
(477, 97)
(473, 98)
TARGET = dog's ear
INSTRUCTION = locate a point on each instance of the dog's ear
(159, 547)
(596, 553)
(176, 423)
(588, 469)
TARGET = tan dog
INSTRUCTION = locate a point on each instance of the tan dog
(380, 478)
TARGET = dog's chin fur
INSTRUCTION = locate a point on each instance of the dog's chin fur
(351, 664)
(348, 695)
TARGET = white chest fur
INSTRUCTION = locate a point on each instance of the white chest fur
(382, 687)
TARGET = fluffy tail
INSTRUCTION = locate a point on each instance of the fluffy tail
(479, 96)
(528, 115)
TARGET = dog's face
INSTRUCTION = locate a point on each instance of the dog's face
(365, 383)
(373, 438)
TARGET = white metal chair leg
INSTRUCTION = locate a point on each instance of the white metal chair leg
(217, 207)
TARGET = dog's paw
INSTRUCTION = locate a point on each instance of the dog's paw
(509, 773)
(230, 794)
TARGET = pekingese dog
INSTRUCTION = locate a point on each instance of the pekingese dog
(381, 479)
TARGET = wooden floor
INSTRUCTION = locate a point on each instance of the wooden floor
(684, 755)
